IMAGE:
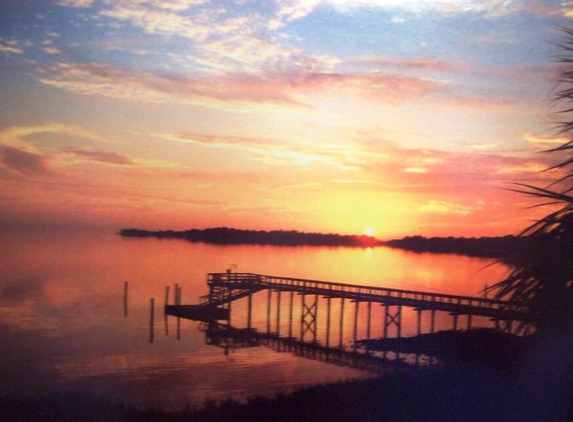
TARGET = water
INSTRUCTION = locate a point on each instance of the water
(63, 328)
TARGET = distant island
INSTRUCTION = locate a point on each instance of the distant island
(481, 247)
(230, 236)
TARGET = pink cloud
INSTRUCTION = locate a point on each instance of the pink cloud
(102, 157)
(278, 89)
(23, 161)
(411, 63)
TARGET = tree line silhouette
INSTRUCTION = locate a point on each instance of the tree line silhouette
(504, 248)
(230, 236)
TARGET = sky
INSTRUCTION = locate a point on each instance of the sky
(399, 117)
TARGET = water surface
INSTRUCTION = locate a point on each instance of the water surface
(63, 327)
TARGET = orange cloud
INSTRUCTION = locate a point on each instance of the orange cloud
(445, 207)
(410, 63)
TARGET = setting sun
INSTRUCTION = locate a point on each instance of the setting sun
(369, 231)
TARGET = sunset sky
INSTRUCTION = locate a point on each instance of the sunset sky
(403, 116)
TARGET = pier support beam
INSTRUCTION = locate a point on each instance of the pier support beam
(433, 321)
(290, 314)
(341, 330)
(308, 317)
(328, 300)
(368, 324)
(250, 311)
(269, 297)
(165, 307)
(393, 319)
(151, 320)
(278, 312)
(356, 306)
(125, 302)
(229, 305)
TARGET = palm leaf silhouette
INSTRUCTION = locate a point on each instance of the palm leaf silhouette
(541, 274)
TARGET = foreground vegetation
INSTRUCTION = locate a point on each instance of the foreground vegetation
(541, 277)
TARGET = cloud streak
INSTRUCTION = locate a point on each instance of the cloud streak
(101, 157)
(17, 154)
(236, 89)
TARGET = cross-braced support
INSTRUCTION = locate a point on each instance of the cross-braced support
(393, 319)
(308, 317)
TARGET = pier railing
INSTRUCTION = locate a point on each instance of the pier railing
(455, 304)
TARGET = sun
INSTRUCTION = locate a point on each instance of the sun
(368, 231)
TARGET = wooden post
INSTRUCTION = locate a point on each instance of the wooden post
(399, 321)
(328, 321)
(165, 313)
(455, 321)
(278, 312)
(368, 327)
(290, 315)
(229, 306)
(433, 321)
(302, 302)
(356, 305)
(125, 307)
(469, 322)
(151, 320)
(386, 312)
(340, 343)
(315, 333)
(269, 311)
(419, 321)
(178, 302)
(250, 311)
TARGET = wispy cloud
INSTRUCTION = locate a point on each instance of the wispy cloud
(445, 207)
(75, 3)
(18, 154)
(273, 151)
(149, 87)
(9, 49)
(410, 63)
(490, 8)
(101, 157)
(235, 89)
(237, 38)
(545, 141)
(15, 136)
(52, 50)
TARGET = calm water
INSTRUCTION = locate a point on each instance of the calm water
(63, 329)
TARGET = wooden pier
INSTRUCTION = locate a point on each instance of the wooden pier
(226, 288)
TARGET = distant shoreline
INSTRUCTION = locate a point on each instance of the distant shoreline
(482, 247)
(230, 236)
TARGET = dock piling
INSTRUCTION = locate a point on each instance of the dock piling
(125, 303)
(151, 320)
